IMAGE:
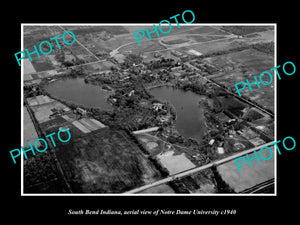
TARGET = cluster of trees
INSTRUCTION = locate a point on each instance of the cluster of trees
(267, 47)
(196, 88)
(60, 57)
(130, 60)
(243, 30)
(227, 51)
(222, 186)
(136, 141)
(164, 172)
(39, 170)
(178, 186)
(32, 91)
(204, 67)
(163, 63)
(255, 103)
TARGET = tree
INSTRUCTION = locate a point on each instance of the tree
(60, 56)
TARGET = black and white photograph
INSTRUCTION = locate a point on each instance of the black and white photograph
(149, 112)
(159, 116)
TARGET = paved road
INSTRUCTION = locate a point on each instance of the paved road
(197, 169)
(236, 95)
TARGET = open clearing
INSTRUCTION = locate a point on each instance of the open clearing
(175, 163)
(146, 46)
(28, 67)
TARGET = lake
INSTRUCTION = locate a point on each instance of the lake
(77, 91)
(190, 119)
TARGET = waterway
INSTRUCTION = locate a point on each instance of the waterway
(190, 119)
(77, 91)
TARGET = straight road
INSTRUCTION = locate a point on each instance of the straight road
(235, 95)
(197, 169)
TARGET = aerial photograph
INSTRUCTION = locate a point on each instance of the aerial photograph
(162, 117)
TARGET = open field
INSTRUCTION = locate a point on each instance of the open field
(242, 65)
(175, 30)
(98, 67)
(141, 142)
(202, 30)
(199, 38)
(244, 30)
(42, 63)
(79, 30)
(248, 176)
(105, 161)
(153, 145)
(146, 46)
(175, 163)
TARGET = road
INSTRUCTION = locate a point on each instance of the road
(235, 95)
(194, 170)
(81, 44)
(70, 67)
(259, 188)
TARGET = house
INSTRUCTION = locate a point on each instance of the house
(157, 106)
(131, 93)
(176, 53)
(81, 111)
(220, 150)
(194, 52)
(211, 142)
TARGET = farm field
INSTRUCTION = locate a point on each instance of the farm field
(28, 67)
(114, 30)
(242, 65)
(211, 46)
(248, 176)
(30, 134)
(105, 161)
(244, 30)
(175, 163)
(146, 46)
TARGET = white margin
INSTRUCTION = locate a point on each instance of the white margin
(147, 24)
